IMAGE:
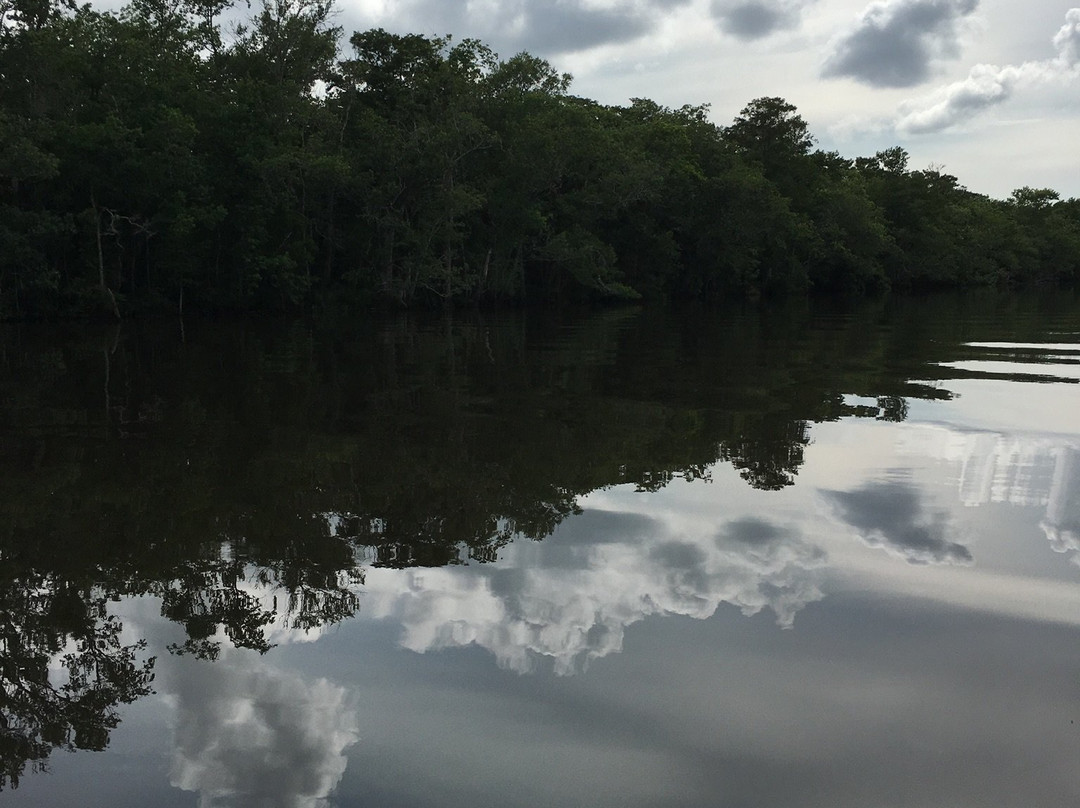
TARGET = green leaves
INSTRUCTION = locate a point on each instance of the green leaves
(146, 159)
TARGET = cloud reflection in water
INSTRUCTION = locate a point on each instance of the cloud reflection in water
(249, 735)
(572, 604)
(1062, 521)
(891, 515)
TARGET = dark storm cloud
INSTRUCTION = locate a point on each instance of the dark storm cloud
(896, 42)
(542, 27)
(755, 19)
(891, 516)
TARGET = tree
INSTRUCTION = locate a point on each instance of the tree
(770, 132)
(1034, 198)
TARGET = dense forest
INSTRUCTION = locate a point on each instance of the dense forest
(153, 157)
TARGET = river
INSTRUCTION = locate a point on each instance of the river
(805, 554)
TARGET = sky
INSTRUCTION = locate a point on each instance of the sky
(985, 90)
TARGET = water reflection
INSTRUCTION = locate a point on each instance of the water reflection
(571, 599)
(891, 515)
(249, 735)
(538, 490)
(249, 605)
(1023, 470)
(64, 670)
(1062, 521)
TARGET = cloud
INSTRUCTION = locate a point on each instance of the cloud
(987, 86)
(252, 736)
(543, 27)
(890, 516)
(1013, 469)
(756, 19)
(567, 27)
(1062, 521)
(895, 43)
(572, 602)
(1064, 539)
(1067, 40)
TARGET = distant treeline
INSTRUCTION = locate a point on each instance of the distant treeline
(149, 160)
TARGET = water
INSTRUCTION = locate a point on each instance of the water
(798, 556)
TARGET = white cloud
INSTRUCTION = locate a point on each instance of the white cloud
(248, 735)
(989, 85)
(577, 610)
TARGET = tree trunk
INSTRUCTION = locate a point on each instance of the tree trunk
(106, 292)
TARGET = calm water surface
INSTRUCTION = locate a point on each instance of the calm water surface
(784, 557)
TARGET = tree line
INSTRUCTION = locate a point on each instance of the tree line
(151, 158)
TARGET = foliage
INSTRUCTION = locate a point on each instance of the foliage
(149, 159)
(47, 619)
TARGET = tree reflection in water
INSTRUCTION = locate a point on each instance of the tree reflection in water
(63, 671)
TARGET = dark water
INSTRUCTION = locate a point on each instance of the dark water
(793, 556)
